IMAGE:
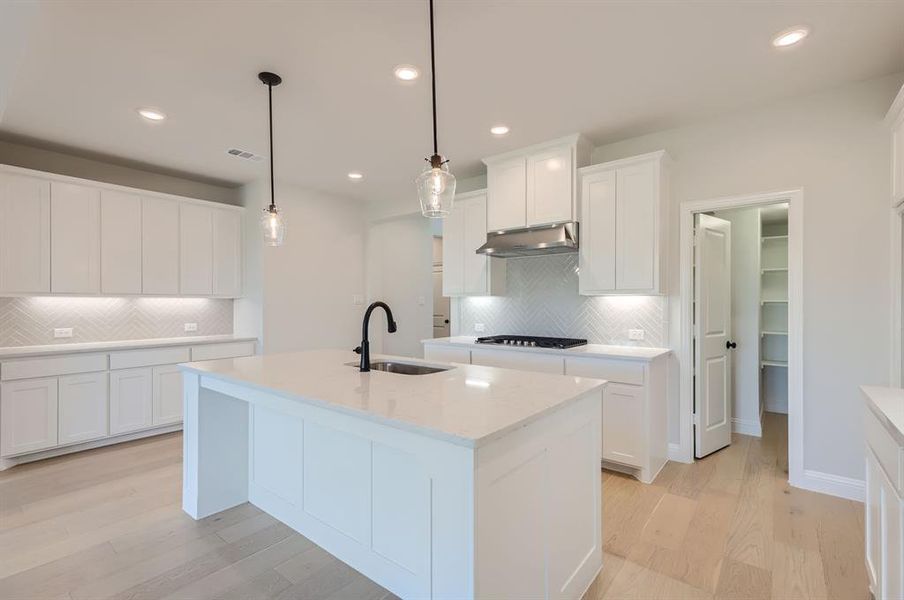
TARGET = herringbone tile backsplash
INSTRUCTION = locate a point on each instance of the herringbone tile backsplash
(542, 299)
(31, 321)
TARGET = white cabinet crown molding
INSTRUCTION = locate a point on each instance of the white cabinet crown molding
(575, 139)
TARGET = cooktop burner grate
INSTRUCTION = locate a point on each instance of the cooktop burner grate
(532, 340)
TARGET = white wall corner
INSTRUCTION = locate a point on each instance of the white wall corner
(747, 427)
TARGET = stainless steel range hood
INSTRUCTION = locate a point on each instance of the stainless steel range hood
(532, 241)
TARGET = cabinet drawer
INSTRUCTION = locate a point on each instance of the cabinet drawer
(130, 359)
(525, 361)
(887, 451)
(447, 354)
(228, 350)
(618, 371)
(28, 368)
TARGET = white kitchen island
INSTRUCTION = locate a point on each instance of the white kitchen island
(473, 482)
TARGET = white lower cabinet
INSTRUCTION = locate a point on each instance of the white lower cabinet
(884, 508)
(167, 395)
(623, 404)
(28, 415)
(82, 407)
(131, 392)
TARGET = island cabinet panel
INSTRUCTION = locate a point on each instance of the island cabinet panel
(277, 440)
(337, 480)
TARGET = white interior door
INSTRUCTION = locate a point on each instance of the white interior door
(712, 335)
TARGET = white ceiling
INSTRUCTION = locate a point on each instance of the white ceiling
(608, 69)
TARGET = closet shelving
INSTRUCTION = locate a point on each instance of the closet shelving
(774, 306)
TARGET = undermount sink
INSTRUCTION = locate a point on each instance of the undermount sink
(402, 368)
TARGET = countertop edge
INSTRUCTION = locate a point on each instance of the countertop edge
(869, 392)
(116, 345)
(467, 442)
(653, 353)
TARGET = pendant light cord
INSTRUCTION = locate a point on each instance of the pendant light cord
(433, 78)
(272, 193)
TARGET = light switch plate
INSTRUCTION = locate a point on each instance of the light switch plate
(636, 334)
(62, 332)
(421, 300)
(191, 327)
(479, 327)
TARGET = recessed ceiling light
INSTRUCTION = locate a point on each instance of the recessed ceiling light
(151, 114)
(406, 72)
(499, 129)
(789, 37)
(355, 176)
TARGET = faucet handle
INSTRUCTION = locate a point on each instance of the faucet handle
(357, 350)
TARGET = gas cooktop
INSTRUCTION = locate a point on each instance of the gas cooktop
(531, 340)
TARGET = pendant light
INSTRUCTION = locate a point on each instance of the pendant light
(435, 185)
(273, 224)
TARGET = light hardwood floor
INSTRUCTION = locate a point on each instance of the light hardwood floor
(108, 524)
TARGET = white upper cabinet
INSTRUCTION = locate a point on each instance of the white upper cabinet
(535, 185)
(227, 253)
(895, 120)
(120, 243)
(507, 193)
(623, 235)
(466, 273)
(24, 234)
(550, 186)
(159, 246)
(196, 256)
(74, 239)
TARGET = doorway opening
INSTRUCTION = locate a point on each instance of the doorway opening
(741, 323)
(442, 305)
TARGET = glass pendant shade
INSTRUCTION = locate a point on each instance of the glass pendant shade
(436, 191)
(273, 226)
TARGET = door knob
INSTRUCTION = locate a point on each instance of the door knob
(729, 344)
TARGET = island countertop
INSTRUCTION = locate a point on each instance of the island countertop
(468, 404)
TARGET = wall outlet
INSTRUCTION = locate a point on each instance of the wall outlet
(635, 334)
(62, 332)
(191, 327)
(479, 327)
(357, 299)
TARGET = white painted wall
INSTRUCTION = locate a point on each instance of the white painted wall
(299, 296)
(745, 306)
(834, 146)
(399, 272)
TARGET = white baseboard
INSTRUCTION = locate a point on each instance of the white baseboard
(747, 427)
(833, 485)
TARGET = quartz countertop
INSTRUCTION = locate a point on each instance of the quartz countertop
(587, 351)
(468, 405)
(51, 349)
(888, 405)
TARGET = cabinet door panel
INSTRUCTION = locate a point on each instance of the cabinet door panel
(83, 407)
(28, 415)
(873, 518)
(167, 395)
(507, 193)
(24, 234)
(159, 246)
(130, 400)
(74, 239)
(196, 256)
(623, 437)
(453, 251)
(227, 253)
(476, 276)
(892, 523)
(597, 233)
(120, 243)
(635, 222)
(550, 176)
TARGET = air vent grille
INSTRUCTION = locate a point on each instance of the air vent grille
(244, 154)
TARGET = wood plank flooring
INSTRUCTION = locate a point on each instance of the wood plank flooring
(108, 524)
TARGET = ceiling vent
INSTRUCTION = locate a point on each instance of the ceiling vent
(244, 154)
